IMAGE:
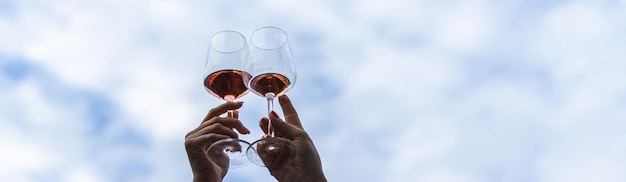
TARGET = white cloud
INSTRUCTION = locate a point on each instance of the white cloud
(467, 26)
(576, 35)
(83, 174)
(40, 133)
(577, 166)
(20, 156)
(444, 176)
(423, 140)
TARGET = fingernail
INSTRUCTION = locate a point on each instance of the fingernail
(275, 114)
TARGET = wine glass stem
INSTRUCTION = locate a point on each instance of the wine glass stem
(231, 113)
(270, 107)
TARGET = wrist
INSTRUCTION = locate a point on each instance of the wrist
(314, 178)
(318, 177)
(206, 179)
(207, 175)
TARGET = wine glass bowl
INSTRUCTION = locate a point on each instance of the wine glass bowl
(270, 63)
(224, 79)
(226, 57)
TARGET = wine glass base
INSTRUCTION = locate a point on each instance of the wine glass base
(229, 152)
(271, 152)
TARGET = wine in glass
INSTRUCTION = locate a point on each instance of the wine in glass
(224, 79)
(273, 72)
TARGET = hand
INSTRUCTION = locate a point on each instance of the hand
(212, 166)
(301, 164)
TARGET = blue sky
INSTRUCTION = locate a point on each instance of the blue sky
(429, 91)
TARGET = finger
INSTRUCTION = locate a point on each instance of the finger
(285, 129)
(216, 128)
(264, 123)
(203, 141)
(207, 145)
(267, 128)
(221, 109)
(233, 123)
(228, 122)
(291, 116)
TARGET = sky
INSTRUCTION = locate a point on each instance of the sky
(398, 90)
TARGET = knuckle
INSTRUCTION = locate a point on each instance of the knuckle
(229, 121)
(211, 128)
(212, 111)
(218, 120)
(192, 144)
(212, 119)
(189, 141)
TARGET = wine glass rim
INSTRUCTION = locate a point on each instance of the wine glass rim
(229, 31)
(270, 27)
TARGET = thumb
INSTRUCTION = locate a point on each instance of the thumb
(287, 130)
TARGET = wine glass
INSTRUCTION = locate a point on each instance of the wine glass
(223, 78)
(273, 72)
